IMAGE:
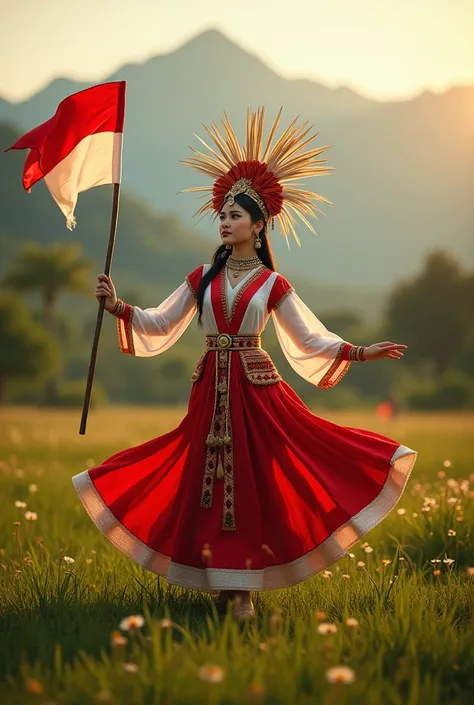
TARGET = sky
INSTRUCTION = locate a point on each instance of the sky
(383, 49)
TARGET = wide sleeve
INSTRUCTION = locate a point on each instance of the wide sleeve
(151, 331)
(314, 352)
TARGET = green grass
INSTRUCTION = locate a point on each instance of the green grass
(414, 642)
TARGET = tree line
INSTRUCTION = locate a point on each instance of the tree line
(45, 352)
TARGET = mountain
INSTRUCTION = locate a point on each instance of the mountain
(404, 170)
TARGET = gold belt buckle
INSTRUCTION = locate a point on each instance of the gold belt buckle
(224, 341)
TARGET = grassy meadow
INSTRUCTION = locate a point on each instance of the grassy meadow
(391, 622)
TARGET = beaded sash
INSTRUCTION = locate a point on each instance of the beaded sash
(259, 369)
(219, 457)
(219, 462)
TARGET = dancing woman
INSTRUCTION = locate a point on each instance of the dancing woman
(251, 491)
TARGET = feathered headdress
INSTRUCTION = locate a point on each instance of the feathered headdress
(262, 172)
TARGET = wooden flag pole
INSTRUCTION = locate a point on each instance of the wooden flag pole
(100, 312)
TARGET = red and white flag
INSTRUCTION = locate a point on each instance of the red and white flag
(79, 147)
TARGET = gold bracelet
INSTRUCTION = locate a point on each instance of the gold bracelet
(356, 353)
(118, 309)
(352, 353)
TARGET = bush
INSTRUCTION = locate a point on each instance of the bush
(341, 397)
(28, 354)
(70, 394)
(454, 390)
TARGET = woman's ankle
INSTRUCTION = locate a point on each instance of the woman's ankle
(244, 595)
(229, 594)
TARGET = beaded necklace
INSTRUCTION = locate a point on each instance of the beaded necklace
(244, 264)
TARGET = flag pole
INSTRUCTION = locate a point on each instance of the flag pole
(100, 312)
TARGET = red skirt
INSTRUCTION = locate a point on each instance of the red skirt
(305, 490)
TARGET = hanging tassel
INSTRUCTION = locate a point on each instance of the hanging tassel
(220, 467)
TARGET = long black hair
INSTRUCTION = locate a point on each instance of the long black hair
(219, 258)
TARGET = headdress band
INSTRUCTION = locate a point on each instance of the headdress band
(245, 186)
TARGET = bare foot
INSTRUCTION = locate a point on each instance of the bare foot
(242, 605)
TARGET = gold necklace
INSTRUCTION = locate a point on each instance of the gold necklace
(243, 264)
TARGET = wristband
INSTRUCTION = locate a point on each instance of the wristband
(118, 309)
(356, 353)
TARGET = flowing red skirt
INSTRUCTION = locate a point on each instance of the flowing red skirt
(306, 490)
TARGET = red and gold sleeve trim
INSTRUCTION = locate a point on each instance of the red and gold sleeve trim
(280, 290)
(283, 297)
(354, 353)
(338, 368)
(345, 351)
(190, 286)
(125, 330)
(193, 280)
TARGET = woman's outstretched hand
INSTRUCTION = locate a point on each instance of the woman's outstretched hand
(387, 349)
(106, 288)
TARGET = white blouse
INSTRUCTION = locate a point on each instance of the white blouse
(310, 348)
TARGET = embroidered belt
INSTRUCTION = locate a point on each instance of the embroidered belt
(219, 456)
(224, 341)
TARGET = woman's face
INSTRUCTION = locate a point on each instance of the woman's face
(236, 225)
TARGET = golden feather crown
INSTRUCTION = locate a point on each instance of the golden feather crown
(262, 171)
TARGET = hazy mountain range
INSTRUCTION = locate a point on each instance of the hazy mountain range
(153, 251)
(404, 175)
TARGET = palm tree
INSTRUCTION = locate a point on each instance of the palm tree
(50, 270)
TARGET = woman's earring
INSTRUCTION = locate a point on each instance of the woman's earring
(258, 242)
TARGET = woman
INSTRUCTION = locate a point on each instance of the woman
(251, 491)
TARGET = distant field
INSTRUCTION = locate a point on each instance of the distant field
(414, 638)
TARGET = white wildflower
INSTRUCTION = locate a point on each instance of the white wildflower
(135, 621)
(327, 628)
(352, 622)
(340, 674)
(211, 673)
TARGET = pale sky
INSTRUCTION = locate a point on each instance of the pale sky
(385, 49)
